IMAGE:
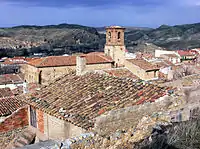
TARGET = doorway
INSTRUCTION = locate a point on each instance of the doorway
(33, 118)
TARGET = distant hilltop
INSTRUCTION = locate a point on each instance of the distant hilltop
(72, 38)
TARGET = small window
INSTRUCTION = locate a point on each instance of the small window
(118, 35)
(109, 35)
(108, 52)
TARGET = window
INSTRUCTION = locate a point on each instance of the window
(108, 52)
(118, 35)
(109, 35)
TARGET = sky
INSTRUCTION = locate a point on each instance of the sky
(97, 13)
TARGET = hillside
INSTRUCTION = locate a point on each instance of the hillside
(71, 38)
(171, 37)
(52, 39)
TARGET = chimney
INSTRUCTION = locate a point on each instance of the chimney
(80, 64)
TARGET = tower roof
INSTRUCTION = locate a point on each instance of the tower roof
(116, 27)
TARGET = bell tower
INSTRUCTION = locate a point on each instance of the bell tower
(115, 46)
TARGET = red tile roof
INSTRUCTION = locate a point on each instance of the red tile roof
(6, 92)
(18, 60)
(53, 61)
(121, 72)
(80, 99)
(9, 105)
(185, 53)
(143, 64)
(163, 63)
(141, 55)
(11, 78)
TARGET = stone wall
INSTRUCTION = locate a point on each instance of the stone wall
(158, 53)
(98, 66)
(112, 36)
(23, 68)
(17, 120)
(125, 118)
(31, 74)
(50, 73)
(117, 53)
(141, 73)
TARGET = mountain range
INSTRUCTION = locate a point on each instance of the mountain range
(72, 38)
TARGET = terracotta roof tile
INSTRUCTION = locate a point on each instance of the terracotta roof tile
(18, 60)
(5, 92)
(143, 64)
(51, 61)
(79, 99)
(185, 53)
(11, 79)
(141, 55)
(163, 63)
(121, 72)
(9, 105)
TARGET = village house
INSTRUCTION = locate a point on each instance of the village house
(158, 53)
(173, 58)
(186, 55)
(15, 64)
(70, 104)
(143, 69)
(44, 70)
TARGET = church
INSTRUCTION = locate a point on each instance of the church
(44, 70)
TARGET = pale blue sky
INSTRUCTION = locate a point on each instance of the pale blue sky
(146, 13)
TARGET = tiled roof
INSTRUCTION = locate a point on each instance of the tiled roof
(18, 60)
(143, 64)
(5, 92)
(141, 55)
(117, 27)
(185, 53)
(79, 99)
(163, 63)
(18, 90)
(51, 61)
(11, 79)
(9, 105)
(121, 72)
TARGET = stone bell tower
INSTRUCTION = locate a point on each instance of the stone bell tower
(115, 46)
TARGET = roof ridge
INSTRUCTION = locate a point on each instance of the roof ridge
(42, 61)
(104, 57)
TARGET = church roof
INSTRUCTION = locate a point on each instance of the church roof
(56, 61)
(116, 27)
